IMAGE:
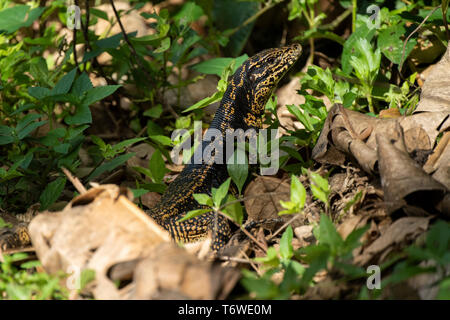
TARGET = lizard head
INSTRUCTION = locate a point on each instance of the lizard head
(261, 74)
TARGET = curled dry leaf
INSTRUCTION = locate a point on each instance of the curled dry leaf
(169, 272)
(104, 231)
(95, 231)
(399, 233)
(406, 186)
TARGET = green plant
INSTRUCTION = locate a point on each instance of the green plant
(23, 283)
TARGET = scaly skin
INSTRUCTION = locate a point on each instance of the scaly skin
(242, 107)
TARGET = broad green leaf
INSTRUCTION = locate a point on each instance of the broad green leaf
(203, 198)
(349, 47)
(6, 135)
(154, 112)
(110, 165)
(157, 166)
(271, 259)
(28, 129)
(81, 85)
(165, 44)
(238, 171)
(286, 249)
(120, 147)
(39, 92)
(51, 193)
(82, 115)
(188, 13)
(15, 17)
(217, 96)
(165, 141)
(219, 194)
(217, 65)
(3, 224)
(86, 276)
(298, 192)
(234, 211)
(194, 213)
(64, 84)
(25, 121)
(98, 93)
(391, 42)
(328, 234)
(99, 13)
(230, 14)
(138, 192)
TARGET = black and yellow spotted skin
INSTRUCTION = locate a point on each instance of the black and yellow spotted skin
(242, 107)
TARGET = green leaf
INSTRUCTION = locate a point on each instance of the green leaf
(328, 234)
(217, 65)
(444, 290)
(219, 194)
(99, 13)
(98, 93)
(52, 192)
(217, 96)
(298, 192)
(154, 112)
(319, 187)
(3, 224)
(81, 85)
(82, 115)
(349, 47)
(263, 288)
(238, 172)
(120, 147)
(230, 14)
(86, 276)
(64, 84)
(286, 249)
(28, 129)
(203, 198)
(157, 166)
(6, 135)
(271, 259)
(110, 165)
(165, 141)
(39, 92)
(390, 41)
(165, 44)
(193, 213)
(234, 211)
(138, 192)
(15, 17)
(188, 13)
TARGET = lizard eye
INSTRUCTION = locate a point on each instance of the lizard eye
(252, 77)
(271, 60)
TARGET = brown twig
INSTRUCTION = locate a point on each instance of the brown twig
(74, 42)
(284, 226)
(75, 181)
(248, 234)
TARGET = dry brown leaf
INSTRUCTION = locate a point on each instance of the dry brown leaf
(435, 96)
(265, 206)
(95, 231)
(406, 186)
(401, 232)
(171, 272)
